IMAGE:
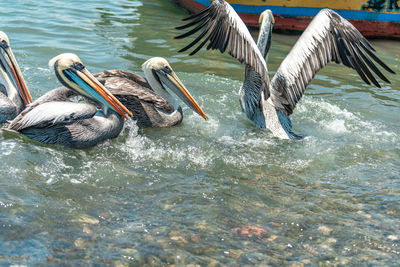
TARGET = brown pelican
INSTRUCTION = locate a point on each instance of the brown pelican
(329, 37)
(15, 95)
(54, 119)
(148, 100)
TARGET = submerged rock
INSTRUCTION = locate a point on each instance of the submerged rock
(177, 237)
(86, 219)
(234, 253)
(80, 243)
(195, 238)
(251, 231)
(87, 230)
(325, 230)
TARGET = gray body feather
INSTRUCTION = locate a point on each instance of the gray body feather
(82, 133)
(148, 108)
(53, 119)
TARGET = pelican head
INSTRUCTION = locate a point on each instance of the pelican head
(159, 73)
(71, 72)
(11, 72)
(266, 22)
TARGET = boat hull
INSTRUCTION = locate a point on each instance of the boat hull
(372, 20)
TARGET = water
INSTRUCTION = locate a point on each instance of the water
(181, 195)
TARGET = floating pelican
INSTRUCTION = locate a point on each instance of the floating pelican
(329, 37)
(149, 101)
(54, 119)
(12, 100)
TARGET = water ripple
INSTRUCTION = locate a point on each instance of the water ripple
(181, 195)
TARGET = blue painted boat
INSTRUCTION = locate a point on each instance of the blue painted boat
(373, 18)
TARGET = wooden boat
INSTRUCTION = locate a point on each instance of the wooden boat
(373, 18)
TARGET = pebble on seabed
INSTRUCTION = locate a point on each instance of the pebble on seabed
(325, 230)
(177, 236)
(251, 231)
(86, 219)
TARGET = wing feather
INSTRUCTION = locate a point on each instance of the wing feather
(222, 27)
(131, 89)
(53, 113)
(329, 37)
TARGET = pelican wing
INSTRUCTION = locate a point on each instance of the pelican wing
(80, 134)
(222, 28)
(52, 113)
(136, 79)
(131, 88)
(329, 37)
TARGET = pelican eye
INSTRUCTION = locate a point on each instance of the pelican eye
(167, 70)
(3, 44)
(78, 66)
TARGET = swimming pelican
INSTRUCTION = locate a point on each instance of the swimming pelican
(12, 100)
(54, 119)
(147, 98)
(329, 37)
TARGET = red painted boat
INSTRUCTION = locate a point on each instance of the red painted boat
(373, 18)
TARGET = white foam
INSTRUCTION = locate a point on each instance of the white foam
(247, 141)
(339, 120)
(336, 125)
(75, 181)
(7, 147)
(323, 106)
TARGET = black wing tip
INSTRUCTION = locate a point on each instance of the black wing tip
(179, 37)
(186, 34)
(197, 49)
(385, 79)
(182, 50)
(180, 27)
(187, 18)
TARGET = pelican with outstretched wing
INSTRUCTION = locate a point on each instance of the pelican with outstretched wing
(54, 119)
(269, 103)
(14, 95)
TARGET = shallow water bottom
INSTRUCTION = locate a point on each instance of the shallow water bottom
(215, 193)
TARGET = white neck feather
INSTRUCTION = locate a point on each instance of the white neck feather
(158, 88)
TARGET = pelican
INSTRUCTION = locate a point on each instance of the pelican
(12, 100)
(269, 103)
(147, 98)
(54, 119)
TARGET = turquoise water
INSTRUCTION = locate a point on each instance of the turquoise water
(181, 195)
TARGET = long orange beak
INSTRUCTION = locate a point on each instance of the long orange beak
(172, 81)
(105, 94)
(13, 71)
(185, 94)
